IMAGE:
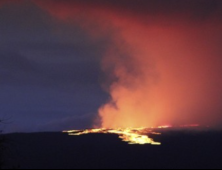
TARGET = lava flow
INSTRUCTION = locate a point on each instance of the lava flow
(138, 136)
(129, 135)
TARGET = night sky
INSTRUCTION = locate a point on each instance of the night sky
(50, 72)
(54, 76)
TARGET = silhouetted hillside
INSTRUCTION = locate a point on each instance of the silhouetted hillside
(57, 150)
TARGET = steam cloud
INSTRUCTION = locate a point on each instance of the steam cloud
(164, 63)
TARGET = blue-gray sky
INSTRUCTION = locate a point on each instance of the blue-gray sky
(49, 70)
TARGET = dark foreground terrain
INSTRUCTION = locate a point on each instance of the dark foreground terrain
(57, 150)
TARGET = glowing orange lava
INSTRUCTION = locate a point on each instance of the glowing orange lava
(129, 135)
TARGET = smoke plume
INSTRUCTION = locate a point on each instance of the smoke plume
(163, 63)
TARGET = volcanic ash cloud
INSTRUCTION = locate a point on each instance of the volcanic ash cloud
(163, 62)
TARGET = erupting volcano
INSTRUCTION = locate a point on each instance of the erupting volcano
(135, 84)
(160, 65)
(130, 135)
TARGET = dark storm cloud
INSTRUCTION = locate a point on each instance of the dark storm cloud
(52, 66)
(31, 51)
(49, 70)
